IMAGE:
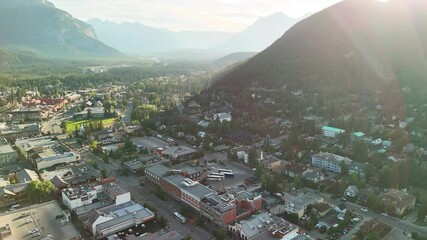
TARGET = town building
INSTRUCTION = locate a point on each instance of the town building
(43, 152)
(331, 131)
(77, 197)
(16, 131)
(178, 152)
(222, 117)
(105, 221)
(156, 173)
(264, 227)
(230, 207)
(298, 203)
(7, 153)
(329, 161)
(186, 190)
(27, 114)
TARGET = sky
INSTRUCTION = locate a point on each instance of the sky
(194, 15)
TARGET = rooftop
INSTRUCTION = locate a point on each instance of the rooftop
(124, 212)
(266, 223)
(158, 169)
(332, 157)
(176, 151)
(114, 189)
(301, 200)
(333, 129)
(194, 189)
(221, 203)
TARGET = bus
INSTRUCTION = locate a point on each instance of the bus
(213, 178)
(226, 172)
(179, 217)
(217, 174)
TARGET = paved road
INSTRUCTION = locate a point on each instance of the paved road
(126, 115)
(401, 225)
(144, 194)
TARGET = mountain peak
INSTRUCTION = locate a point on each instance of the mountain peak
(40, 27)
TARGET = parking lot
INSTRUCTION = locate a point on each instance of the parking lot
(240, 174)
(37, 222)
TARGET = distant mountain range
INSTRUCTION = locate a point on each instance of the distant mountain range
(37, 26)
(355, 45)
(138, 39)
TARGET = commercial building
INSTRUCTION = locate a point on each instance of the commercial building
(77, 197)
(111, 219)
(156, 172)
(230, 207)
(264, 227)
(43, 152)
(86, 194)
(329, 161)
(27, 114)
(331, 131)
(186, 190)
(178, 152)
(7, 153)
(16, 131)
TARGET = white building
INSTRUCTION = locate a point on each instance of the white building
(78, 197)
(298, 203)
(329, 161)
(109, 220)
(263, 226)
(7, 154)
(331, 131)
(222, 117)
(242, 155)
(43, 152)
(117, 193)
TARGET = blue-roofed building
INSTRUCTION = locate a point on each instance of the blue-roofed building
(331, 131)
(357, 136)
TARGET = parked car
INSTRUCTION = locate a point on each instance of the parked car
(34, 230)
(59, 216)
(364, 209)
(29, 220)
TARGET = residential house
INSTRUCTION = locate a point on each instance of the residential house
(351, 191)
(400, 199)
(294, 169)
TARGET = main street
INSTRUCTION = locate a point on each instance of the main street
(402, 225)
(144, 194)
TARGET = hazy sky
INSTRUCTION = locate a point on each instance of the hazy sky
(208, 15)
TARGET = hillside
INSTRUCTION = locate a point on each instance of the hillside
(355, 45)
(232, 59)
(37, 26)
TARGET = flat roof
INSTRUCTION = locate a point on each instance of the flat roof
(6, 149)
(332, 129)
(178, 151)
(301, 200)
(332, 157)
(126, 212)
(158, 170)
(198, 191)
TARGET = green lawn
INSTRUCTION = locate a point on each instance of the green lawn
(71, 125)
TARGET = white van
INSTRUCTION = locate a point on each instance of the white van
(14, 207)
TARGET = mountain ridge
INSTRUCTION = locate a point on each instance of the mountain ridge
(346, 47)
(41, 28)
